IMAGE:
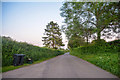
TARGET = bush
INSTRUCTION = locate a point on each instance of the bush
(104, 55)
(11, 47)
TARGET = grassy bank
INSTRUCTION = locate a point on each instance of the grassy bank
(103, 56)
(11, 47)
(11, 67)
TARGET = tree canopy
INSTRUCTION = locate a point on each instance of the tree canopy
(53, 38)
(75, 41)
(90, 20)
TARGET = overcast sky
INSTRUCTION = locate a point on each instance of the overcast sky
(26, 21)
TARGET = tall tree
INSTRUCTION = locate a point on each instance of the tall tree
(76, 18)
(53, 38)
(106, 18)
(96, 17)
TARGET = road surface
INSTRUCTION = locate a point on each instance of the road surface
(63, 66)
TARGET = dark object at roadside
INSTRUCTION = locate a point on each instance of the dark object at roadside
(29, 61)
(18, 59)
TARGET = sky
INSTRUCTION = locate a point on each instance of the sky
(26, 21)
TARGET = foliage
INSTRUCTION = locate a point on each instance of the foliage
(53, 37)
(11, 47)
(115, 42)
(99, 42)
(95, 41)
(87, 18)
(11, 67)
(75, 41)
(104, 55)
(100, 47)
(0, 54)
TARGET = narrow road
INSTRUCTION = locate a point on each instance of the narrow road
(64, 66)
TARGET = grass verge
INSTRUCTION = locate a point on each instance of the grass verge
(107, 61)
(9, 68)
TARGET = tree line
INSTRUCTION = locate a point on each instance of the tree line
(87, 21)
(84, 22)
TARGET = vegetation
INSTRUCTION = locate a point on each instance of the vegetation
(104, 55)
(0, 55)
(75, 41)
(91, 20)
(53, 37)
(85, 21)
(11, 67)
(11, 47)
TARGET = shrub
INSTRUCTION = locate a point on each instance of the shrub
(11, 47)
(104, 55)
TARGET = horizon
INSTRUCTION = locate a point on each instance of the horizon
(26, 21)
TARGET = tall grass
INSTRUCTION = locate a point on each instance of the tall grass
(104, 55)
(11, 47)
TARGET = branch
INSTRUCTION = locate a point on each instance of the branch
(101, 10)
(92, 22)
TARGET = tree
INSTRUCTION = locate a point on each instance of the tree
(77, 20)
(53, 38)
(106, 18)
(95, 17)
(75, 41)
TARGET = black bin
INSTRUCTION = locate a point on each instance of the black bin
(18, 59)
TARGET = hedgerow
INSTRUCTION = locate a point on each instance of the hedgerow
(11, 47)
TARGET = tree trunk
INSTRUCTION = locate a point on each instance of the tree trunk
(99, 31)
(87, 39)
(98, 35)
(53, 44)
